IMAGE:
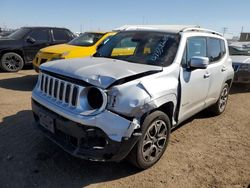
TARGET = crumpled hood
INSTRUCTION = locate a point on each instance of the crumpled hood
(101, 72)
(240, 59)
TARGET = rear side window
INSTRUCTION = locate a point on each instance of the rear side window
(214, 49)
(61, 35)
(40, 35)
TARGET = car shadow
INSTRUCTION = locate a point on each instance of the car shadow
(24, 83)
(239, 88)
(28, 159)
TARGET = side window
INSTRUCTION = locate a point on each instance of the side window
(40, 35)
(60, 34)
(196, 46)
(214, 49)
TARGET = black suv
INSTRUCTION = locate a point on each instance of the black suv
(21, 46)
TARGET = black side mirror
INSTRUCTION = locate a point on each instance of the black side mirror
(30, 40)
(198, 62)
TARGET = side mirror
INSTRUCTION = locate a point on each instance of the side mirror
(198, 62)
(31, 40)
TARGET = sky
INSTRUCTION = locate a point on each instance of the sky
(85, 15)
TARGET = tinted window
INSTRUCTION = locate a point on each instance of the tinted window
(40, 35)
(60, 34)
(20, 33)
(197, 46)
(214, 49)
(86, 39)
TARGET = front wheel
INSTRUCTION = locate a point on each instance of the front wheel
(153, 142)
(220, 106)
(11, 62)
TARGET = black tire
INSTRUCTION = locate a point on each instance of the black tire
(11, 62)
(220, 106)
(151, 143)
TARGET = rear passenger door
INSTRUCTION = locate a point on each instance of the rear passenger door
(216, 68)
(194, 82)
(60, 36)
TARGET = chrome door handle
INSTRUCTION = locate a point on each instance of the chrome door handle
(207, 75)
(223, 69)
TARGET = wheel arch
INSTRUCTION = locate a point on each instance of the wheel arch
(167, 108)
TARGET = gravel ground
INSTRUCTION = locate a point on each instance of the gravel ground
(203, 152)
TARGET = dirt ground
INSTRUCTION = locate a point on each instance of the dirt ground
(204, 152)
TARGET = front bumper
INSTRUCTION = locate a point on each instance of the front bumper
(83, 141)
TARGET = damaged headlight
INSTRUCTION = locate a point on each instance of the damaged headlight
(93, 100)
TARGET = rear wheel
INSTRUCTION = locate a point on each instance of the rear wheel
(153, 142)
(11, 62)
(220, 106)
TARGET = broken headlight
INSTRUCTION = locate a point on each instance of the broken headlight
(93, 101)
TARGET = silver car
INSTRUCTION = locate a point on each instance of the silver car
(240, 55)
(124, 101)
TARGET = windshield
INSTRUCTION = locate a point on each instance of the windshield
(20, 33)
(86, 39)
(239, 51)
(144, 47)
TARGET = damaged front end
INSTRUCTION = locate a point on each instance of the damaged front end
(84, 119)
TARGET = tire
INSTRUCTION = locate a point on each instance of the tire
(153, 142)
(11, 62)
(220, 106)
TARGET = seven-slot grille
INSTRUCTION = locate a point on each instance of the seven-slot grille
(60, 90)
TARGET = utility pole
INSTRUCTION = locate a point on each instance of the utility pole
(224, 30)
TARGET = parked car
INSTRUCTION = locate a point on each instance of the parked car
(241, 62)
(20, 47)
(113, 106)
(82, 46)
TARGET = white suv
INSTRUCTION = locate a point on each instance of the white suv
(124, 101)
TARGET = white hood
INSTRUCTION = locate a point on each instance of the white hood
(101, 72)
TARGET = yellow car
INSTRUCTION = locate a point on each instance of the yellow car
(82, 46)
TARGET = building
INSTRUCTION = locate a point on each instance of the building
(244, 37)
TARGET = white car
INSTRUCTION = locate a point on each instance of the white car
(124, 101)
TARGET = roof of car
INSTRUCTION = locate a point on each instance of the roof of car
(101, 32)
(170, 28)
(44, 27)
(167, 28)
